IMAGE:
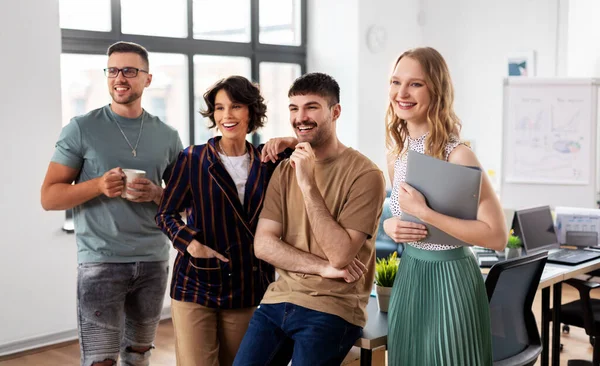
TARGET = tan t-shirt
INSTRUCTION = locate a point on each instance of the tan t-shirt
(353, 188)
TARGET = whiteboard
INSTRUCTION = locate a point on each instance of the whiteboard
(549, 133)
(549, 142)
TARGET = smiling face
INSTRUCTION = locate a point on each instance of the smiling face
(409, 94)
(312, 118)
(127, 90)
(231, 117)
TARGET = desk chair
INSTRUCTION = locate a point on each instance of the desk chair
(384, 245)
(590, 276)
(584, 313)
(511, 287)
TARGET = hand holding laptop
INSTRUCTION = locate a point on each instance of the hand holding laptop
(447, 188)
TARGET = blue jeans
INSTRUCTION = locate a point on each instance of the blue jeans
(282, 332)
(118, 308)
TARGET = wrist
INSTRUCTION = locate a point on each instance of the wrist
(292, 142)
(425, 214)
(322, 266)
(157, 193)
(97, 186)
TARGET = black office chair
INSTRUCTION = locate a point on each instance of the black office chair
(590, 276)
(511, 286)
(584, 313)
(384, 245)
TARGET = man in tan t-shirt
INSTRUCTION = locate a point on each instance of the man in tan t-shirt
(318, 228)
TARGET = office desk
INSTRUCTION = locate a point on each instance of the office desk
(376, 330)
(374, 333)
(566, 273)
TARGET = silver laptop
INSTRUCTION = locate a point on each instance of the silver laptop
(536, 228)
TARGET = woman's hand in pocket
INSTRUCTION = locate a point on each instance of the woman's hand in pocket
(198, 250)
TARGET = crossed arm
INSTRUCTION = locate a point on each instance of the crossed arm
(269, 247)
(340, 245)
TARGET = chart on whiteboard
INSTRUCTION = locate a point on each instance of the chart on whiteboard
(548, 136)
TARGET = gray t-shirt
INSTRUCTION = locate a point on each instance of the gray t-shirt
(114, 229)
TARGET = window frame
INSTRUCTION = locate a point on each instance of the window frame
(76, 41)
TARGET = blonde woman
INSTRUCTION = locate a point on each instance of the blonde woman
(439, 311)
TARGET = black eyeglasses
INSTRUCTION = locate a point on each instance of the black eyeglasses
(128, 72)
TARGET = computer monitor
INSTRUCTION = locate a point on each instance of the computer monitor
(585, 239)
(536, 228)
(576, 219)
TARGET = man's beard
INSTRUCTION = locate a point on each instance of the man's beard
(132, 98)
(316, 139)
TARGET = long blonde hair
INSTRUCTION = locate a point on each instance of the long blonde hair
(442, 121)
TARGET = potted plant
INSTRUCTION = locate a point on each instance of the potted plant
(385, 274)
(513, 247)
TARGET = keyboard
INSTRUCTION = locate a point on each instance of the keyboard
(562, 254)
(485, 257)
(569, 256)
(482, 250)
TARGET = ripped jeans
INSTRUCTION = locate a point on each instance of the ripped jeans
(118, 308)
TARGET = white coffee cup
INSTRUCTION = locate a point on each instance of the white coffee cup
(130, 175)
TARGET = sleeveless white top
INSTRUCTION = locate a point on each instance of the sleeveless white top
(417, 145)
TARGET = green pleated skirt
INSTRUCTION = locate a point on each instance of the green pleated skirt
(439, 312)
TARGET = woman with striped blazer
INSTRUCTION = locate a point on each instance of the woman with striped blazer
(217, 280)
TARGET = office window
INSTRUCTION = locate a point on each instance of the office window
(275, 81)
(83, 84)
(583, 39)
(91, 15)
(224, 20)
(167, 95)
(158, 105)
(207, 71)
(192, 44)
(154, 17)
(280, 22)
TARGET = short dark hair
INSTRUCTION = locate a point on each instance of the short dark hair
(239, 90)
(317, 83)
(129, 47)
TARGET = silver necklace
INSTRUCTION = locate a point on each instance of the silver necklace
(231, 163)
(133, 149)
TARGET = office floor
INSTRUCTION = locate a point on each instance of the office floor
(576, 344)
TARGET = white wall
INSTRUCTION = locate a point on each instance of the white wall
(399, 22)
(38, 261)
(474, 37)
(332, 49)
(584, 38)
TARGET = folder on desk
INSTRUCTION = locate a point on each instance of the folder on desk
(449, 189)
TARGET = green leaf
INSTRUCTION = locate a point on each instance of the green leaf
(514, 241)
(386, 269)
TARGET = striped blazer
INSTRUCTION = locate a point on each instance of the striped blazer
(201, 186)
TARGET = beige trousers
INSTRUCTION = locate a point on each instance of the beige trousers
(206, 336)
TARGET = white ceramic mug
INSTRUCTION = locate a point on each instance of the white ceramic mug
(130, 175)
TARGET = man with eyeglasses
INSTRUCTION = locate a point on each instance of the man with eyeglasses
(122, 254)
